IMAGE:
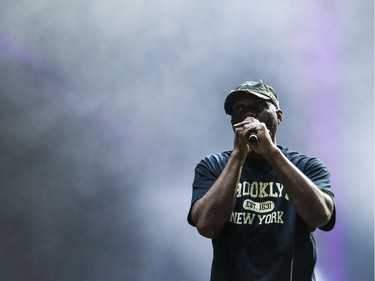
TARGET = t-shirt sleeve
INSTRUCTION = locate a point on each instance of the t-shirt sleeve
(316, 171)
(206, 173)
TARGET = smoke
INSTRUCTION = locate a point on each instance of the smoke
(106, 107)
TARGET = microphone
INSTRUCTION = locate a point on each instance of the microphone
(253, 137)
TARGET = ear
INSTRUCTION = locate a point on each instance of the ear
(279, 115)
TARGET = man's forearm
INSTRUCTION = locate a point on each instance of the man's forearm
(312, 204)
(213, 210)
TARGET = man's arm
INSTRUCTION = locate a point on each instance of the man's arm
(211, 212)
(312, 204)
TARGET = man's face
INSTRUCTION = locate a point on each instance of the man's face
(263, 110)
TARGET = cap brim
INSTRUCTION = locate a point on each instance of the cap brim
(240, 94)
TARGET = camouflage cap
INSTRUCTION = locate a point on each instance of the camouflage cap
(258, 89)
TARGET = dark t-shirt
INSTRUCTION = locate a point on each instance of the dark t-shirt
(264, 239)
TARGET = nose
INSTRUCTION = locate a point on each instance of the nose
(249, 113)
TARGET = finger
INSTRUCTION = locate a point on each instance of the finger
(247, 120)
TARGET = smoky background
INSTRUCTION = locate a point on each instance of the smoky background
(107, 106)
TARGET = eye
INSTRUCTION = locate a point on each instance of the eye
(259, 106)
(239, 109)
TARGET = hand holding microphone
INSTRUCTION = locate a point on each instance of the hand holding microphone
(253, 137)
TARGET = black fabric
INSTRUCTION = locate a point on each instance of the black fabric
(264, 240)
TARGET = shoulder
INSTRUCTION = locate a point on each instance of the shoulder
(312, 167)
(217, 157)
(214, 161)
(292, 154)
(302, 161)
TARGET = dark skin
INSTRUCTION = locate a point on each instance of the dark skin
(211, 212)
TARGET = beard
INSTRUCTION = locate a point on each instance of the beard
(271, 125)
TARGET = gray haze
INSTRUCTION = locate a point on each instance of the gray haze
(107, 106)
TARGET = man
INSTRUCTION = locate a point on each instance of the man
(260, 203)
